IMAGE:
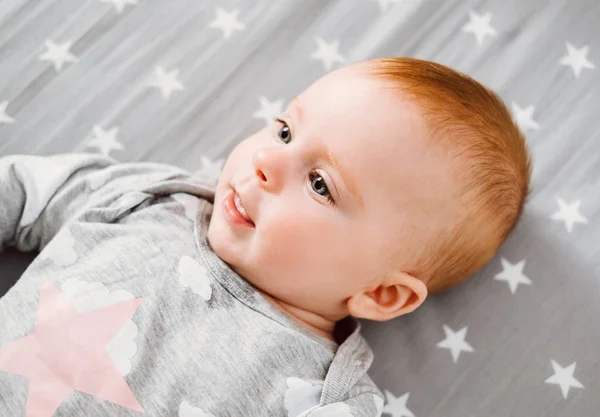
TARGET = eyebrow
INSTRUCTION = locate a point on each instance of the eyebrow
(347, 179)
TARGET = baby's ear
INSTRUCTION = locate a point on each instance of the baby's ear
(395, 296)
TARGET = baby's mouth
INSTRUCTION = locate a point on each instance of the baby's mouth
(234, 210)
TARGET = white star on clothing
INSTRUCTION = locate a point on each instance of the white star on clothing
(396, 406)
(577, 59)
(564, 378)
(268, 110)
(328, 53)
(455, 341)
(58, 54)
(166, 81)
(120, 4)
(480, 26)
(5, 118)
(227, 22)
(210, 170)
(525, 117)
(569, 213)
(513, 274)
(105, 140)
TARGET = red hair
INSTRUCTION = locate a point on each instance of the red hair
(493, 167)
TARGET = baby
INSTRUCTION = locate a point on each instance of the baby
(156, 293)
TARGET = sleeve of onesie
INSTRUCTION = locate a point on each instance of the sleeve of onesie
(365, 404)
(38, 194)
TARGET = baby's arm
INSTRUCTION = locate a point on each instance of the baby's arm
(38, 194)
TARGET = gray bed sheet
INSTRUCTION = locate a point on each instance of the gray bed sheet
(184, 81)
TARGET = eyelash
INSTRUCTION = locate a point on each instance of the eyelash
(329, 197)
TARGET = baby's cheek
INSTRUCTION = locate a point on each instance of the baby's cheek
(288, 230)
(284, 242)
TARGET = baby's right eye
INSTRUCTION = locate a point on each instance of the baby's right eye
(285, 128)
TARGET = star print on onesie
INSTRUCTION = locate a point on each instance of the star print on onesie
(74, 356)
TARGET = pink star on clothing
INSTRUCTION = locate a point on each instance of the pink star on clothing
(67, 351)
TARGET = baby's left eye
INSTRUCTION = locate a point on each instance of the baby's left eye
(285, 129)
(315, 178)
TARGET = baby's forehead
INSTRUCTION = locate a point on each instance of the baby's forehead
(404, 165)
(377, 132)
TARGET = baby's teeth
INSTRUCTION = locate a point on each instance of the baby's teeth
(238, 204)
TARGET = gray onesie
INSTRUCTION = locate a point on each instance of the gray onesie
(127, 311)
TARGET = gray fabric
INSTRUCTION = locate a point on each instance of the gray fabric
(515, 337)
(199, 338)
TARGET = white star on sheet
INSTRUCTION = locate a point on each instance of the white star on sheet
(5, 118)
(120, 4)
(455, 341)
(524, 117)
(167, 82)
(564, 378)
(268, 110)
(577, 59)
(327, 53)
(396, 406)
(385, 4)
(210, 170)
(58, 54)
(227, 22)
(512, 274)
(569, 213)
(105, 140)
(480, 26)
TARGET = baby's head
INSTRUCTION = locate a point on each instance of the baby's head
(428, 174)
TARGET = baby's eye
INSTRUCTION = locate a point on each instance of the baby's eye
(285, 129)
(320, 186)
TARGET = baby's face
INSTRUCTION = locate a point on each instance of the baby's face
(387, 190)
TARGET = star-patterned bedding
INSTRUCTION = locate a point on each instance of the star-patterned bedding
(183, 81)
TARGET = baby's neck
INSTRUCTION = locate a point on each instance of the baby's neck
(311, 321)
